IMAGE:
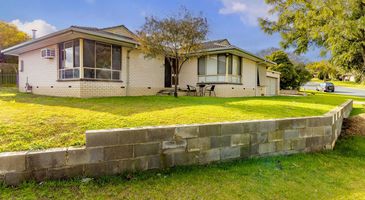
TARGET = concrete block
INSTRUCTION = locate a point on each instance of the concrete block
(132, 136)
(231, 128)
(160, 134)
(291, 134)
(259, 138)
(57, 173)
(299, 123)
(101, 138)
(140, 164)
(95, 169)
(193, 145)
(198, 144)
(245, 151)
(113, 167)
(16, 178)
(240, 139)
(220, 141)
(12, 161)
(126, 165)
(75, 171)
(78, 156)
(254, 149)
(146, 149)
(209, 156)
(276, 135)
(318, 131)
(184, 132)
(319, 121)
(305, 132)
(279, 146)
(250, 126)
(209, 130)
(118, 152)
(299, 144)
(327, 130)
(268, 126)
(167, 160)
(184, 158)
(173, 146)
(230, 153)
(40, 175)
(267, 148)
(154, 162)
(284, 124)
(50, 158)
(313, 142)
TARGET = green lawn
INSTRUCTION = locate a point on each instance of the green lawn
(338, 174)
(34, 122)
(343, 83)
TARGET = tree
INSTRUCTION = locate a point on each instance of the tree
(288, 77)
(10, 36)
(303, 75)
(324, 70)
(177, 38)
(294, 58)
(336, 26)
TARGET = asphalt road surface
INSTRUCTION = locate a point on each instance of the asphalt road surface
(338, 90)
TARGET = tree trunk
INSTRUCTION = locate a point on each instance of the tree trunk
(176, 77)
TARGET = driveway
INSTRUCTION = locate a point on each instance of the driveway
(338, 90)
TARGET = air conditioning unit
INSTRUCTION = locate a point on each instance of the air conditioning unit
(48, 53)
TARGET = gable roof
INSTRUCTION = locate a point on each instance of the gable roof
(123, 34)
(79, 29)
(224, 44)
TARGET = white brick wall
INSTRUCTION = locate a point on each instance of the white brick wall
(146, 78)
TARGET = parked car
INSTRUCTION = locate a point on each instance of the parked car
(326, 87)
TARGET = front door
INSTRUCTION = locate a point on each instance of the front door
(169, 73)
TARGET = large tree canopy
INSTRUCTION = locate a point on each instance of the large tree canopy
(338, 26)
(9, 36)
(292, 75)
(176, 37)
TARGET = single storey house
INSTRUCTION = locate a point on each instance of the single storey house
(92, 62)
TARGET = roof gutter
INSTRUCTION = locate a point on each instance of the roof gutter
(71, 29)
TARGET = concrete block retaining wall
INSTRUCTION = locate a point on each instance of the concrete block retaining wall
(119, 150)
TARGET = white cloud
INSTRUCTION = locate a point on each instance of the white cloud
(42, 27)
(248, 10)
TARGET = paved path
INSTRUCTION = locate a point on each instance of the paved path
(338, 90)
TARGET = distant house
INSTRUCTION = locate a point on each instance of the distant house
(92, 62)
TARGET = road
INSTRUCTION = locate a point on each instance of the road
(338, 90)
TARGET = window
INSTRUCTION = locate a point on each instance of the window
(201, 65)
(69, 59)
(221, 68)
(258, 77)
(102, 61)
(21, 66)
(222, 64)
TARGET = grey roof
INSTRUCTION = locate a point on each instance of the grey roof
(103, 30)
(224, 44)
(81, 29)
(212, 44)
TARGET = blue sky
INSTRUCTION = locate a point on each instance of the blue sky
(232, 19)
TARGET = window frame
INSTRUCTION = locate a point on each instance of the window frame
(61, 71)
(111, 70)
(219, 78)
(114, 72)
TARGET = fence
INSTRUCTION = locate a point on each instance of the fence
(8, 78)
